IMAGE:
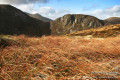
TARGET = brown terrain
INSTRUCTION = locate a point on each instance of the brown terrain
(59, 58)
(101, 32)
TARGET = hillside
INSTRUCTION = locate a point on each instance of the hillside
(102, 32)
(14, 21)
(74, 22)
(60, 58)
(112, 20)
(77, 22)
(38, 16)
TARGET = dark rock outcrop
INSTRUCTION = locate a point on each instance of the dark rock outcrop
(72, 23)
(14, 21)
(38, 16)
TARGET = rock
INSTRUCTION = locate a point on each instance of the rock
(74, 22)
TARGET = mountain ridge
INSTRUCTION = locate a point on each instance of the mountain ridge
(112, 20)
(15, 21)
(71, 23)
(39, 17)
(74, 22)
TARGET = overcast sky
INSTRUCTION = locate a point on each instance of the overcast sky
(53, 9)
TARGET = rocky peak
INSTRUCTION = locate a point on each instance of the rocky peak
(74, 22)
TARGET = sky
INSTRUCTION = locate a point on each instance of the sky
(53, 9)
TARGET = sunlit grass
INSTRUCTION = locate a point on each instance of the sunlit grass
(51, 58)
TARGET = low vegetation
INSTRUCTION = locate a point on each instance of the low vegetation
(101, 32)
(60, 58)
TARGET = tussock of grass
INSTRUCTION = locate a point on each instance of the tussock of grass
(58, 58)
(7, 40)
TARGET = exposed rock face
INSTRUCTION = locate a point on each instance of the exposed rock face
(72, 23)
(38, 16)
(14, 21)
(112, 20)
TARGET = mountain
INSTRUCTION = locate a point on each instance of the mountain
(112, 20)
(15, 21)
(38, 16)
(74, 22)
(101, 32)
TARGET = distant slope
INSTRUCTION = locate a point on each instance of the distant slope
(103, 32)
(38, 16)
(74, 22)
(112, 20)
(14, 21)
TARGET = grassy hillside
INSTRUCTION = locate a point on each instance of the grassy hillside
(60, 58)
(103, 32)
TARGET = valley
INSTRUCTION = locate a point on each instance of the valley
(72, 47)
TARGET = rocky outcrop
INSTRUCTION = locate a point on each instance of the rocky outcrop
(39, 17)
(14, 21)
(72, 23)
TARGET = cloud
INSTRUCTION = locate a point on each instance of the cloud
(22, 1)
(58, 13)
(26, 7)
(108, 12)
(44, 11)
(52, 13)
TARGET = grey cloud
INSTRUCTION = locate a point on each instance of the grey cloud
(23, 1)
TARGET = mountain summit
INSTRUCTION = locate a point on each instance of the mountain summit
(74, 22)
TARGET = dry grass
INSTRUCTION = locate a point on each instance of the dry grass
(60, 58)
(101, 32)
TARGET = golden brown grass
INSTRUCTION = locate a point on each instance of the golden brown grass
(60, 58)
(101, 32)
